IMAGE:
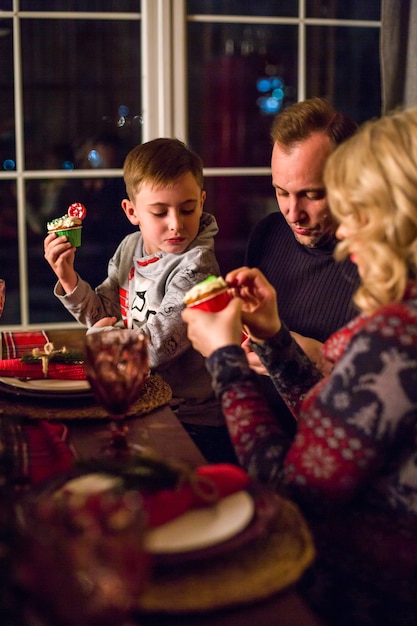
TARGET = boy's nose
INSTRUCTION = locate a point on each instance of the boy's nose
(175, 223)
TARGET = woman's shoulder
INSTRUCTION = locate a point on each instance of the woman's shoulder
(393, 323)
(395, 315)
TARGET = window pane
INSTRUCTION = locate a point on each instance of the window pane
(284, 8)
(340, 9)
(87, 90)
(103, 228)
(9, 266)
(239, 77)
(238, 203)
(343, 65)
(120, 6)
(7, 134)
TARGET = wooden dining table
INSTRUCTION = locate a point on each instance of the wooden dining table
(161, 431)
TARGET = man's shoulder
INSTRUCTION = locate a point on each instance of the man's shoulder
(271, 226)
(269, 231)
(273, 220)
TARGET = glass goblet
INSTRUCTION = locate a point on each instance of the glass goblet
(2, 294)
(117, 365)
(97, 531)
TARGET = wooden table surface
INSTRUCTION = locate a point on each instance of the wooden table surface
(283, 609)
(161, 430)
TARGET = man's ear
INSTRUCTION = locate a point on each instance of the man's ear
(130, 211)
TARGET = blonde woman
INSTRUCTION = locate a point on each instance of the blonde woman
(352, 465)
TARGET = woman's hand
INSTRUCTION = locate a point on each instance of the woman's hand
(259, 302)
(210, 331)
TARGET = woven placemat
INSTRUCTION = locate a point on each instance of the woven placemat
(155, 393)
(255, 572)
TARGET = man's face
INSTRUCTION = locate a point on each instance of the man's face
(168, 217)
(297, 177)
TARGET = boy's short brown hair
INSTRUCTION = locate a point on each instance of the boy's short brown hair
(160, 161)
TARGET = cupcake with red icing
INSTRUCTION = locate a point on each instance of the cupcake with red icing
(210, 294)
(70, 224)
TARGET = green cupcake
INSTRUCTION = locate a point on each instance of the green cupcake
(69, 225)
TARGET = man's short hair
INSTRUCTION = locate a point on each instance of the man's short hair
(314, 115)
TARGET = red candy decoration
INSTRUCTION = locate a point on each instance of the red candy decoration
(77, 210)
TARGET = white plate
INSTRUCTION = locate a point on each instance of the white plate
(201, 528)
(47, 385)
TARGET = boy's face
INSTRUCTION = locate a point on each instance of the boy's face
(168, 216)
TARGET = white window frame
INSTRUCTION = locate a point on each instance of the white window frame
(164, 95)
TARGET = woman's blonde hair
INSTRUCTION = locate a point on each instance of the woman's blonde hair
(371, 182)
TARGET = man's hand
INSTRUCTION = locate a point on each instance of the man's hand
(314, 350)
(254, 361)
(311, 347)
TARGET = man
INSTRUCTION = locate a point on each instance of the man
(294, 246)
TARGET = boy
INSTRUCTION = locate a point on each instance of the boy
(149, 274)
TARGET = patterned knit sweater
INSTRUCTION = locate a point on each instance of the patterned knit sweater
(352, 465)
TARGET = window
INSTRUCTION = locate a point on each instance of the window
(82, 82)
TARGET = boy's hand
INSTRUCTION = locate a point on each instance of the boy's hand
(60, 255)
(105, 321)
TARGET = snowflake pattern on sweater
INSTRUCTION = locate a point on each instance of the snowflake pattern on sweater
(352, 466)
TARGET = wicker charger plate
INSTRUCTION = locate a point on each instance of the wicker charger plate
(254, 572)
(155, 393)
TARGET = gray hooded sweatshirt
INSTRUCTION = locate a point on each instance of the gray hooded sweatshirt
(146, 292)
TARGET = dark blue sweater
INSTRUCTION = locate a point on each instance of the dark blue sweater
(314, 291)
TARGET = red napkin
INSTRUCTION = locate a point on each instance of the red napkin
(18, 368)
(34, 452)
(15, 344)
(49, 451)
(223, 479)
